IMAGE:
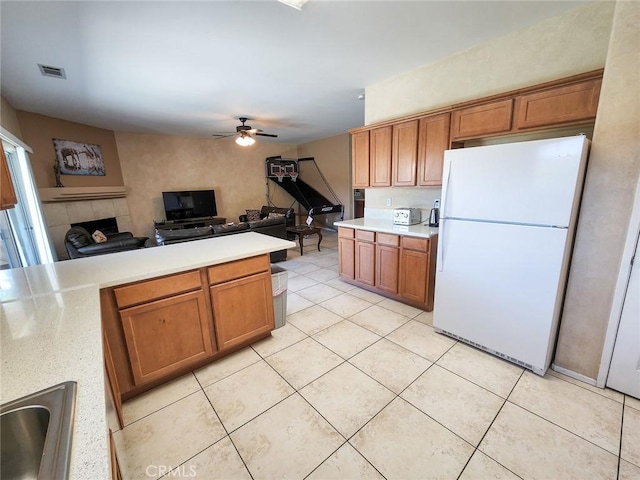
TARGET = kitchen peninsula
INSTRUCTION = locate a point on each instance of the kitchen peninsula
(396, 261)
(52, 331)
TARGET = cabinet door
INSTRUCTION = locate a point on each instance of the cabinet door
(242, 309)
(404, 156)
(346, 252)
(167, 335)
(476, 122)
(573, 103)
(380, 157)
(365, 262)
(360, 159)
(7, 193)
(433, 140)
(387, 261)
(413, 275)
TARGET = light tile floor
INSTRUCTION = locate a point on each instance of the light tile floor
(360, 386)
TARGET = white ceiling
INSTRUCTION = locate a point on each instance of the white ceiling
(192, 68)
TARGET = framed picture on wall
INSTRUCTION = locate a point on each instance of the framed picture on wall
(75, 158)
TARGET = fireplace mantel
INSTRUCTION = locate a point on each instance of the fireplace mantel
(71, 194)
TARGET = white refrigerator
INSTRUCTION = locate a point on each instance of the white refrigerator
(507, 223)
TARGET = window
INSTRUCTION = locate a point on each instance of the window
(24, 239)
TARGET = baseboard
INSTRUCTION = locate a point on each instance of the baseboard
(577, 376)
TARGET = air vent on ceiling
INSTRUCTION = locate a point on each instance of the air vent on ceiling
(49, 71)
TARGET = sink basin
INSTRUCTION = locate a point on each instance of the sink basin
(36, 433)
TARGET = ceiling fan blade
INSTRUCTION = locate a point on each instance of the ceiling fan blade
(267, 135)
(222, 135)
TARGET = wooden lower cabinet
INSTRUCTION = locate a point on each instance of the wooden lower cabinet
(241, 309)
(166, 335)
(161, 328)
(397, 266)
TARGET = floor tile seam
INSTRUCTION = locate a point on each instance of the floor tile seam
(321, 301)
(284, 348)
(233, 373)
(470, 381)
(378, 381)
(584, 388)
(563, 428)
(359, 453)
(161, 408)
(235, 429)
(393, 299)
(174, 469)
(620, 450)
(421, 356)
(440, 423)
(629, 405)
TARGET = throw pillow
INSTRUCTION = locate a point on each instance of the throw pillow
(275, 215)
(99, 237)
(253, 215)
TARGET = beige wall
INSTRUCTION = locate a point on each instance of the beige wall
(578, 41)
(568, 44)
(9, 118)
(38, 132)
(332, 156)
(152, 164)
(613, 173)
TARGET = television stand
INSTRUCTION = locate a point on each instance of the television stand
(189, 223)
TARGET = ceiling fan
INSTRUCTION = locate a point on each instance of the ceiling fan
(245, 133)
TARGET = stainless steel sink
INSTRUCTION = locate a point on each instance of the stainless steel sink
(36, 433)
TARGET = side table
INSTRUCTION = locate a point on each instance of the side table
(302, 230)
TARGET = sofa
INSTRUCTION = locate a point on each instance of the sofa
(268, 211)
(79, 243)
(275, 227)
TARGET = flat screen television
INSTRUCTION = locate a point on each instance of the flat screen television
(189, 204)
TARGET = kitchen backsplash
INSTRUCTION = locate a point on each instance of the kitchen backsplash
(376, 201)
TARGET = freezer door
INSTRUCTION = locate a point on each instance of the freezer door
(500, 286)
(536, 183)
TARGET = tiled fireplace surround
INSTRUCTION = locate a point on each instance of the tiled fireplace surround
(60, 215)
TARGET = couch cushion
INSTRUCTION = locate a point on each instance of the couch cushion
(229, 228)
(253, 215)
(78, 237)
(266, 221)
(163, 236)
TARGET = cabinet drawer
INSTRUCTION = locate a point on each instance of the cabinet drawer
(238, 269)
(417, 244)
(487, 119)
(149, 290)
(365, 236)
(345, 232)
(388, 239)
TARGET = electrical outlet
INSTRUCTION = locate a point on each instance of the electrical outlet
(388, 202)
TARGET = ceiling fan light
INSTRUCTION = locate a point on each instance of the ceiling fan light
(245, 141)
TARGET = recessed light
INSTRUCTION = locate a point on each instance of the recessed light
(361, 96)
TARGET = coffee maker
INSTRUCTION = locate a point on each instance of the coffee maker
(434, 216)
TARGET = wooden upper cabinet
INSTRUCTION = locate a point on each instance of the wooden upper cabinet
(360, 159)
(568, 104)
(433, 140)
(8, 197)
(404, 156)
(482, 120)
(380, 157)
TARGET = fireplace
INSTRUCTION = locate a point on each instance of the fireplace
(107, 226)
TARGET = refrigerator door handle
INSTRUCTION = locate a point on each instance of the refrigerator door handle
(440, 253)
(445, 191)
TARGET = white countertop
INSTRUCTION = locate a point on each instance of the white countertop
(422, 229)
(51, 327)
